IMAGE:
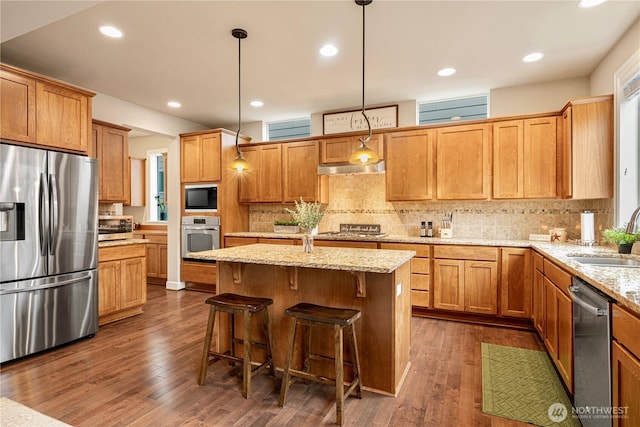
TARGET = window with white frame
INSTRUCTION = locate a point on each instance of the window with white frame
(628, 141)
(473, 108)
(298, 128)
(157, 200)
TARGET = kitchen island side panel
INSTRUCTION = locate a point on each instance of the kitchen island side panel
(383, 331)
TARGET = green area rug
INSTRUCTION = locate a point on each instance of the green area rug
(522, 385)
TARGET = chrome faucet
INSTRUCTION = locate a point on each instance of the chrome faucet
(633, 225)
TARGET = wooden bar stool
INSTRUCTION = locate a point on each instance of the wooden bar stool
(246, 306)
(310, 315)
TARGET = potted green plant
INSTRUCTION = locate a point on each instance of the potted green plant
(163, 208)
(307, 215)
(619, 236)
(286, 227)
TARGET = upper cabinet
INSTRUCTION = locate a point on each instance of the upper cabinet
(586, 156)
(410, 164)
(300, 171)
(111, 145)
(200, 158)
(339, 149)
(264, 182)
(37, 110)
(463, 162)
(524, 158)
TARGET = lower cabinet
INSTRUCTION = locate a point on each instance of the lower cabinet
(625, 354)
(552, 315)
(199, 276)
(420, 272)
(122, 287)
(465, 279)
(156, 256)
(515, 282)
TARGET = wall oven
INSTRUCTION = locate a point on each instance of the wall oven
(200, 233)
(201, 198)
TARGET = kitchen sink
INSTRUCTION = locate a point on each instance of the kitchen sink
(607, 261)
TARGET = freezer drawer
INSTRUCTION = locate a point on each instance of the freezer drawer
(43, 313)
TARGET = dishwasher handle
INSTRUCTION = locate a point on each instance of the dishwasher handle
(591, 309)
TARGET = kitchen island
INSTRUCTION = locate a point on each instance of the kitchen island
(376, 282)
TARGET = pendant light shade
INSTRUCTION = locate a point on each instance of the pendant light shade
(364, 155)
(239, 164)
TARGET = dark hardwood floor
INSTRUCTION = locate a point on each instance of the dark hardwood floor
(143, 371)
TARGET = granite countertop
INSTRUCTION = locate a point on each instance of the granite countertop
(123, 242)
(390, 238)
(620, 283)
(348, 259)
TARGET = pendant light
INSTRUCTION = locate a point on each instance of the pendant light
(364, 155)
(239, 164)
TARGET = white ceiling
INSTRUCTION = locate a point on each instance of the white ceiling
(184, 51)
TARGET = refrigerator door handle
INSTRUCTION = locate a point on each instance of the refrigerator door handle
(47, 286)
(53, 197)
(591, 309)
(42, 220)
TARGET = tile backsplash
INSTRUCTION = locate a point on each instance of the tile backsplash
(361, 199)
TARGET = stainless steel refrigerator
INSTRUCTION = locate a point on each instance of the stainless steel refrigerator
(48, 249)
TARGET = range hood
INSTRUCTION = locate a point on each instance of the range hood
(350, 168)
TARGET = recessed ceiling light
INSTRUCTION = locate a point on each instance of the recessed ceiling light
(590, 3)
(174, 104)
(257, 103)
(456, 118)
(533, 57)
(110, 31)
(447, 72)
(328, 50)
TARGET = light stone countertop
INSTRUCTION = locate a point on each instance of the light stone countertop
(348, 259)
(620, 283)
(122, 242)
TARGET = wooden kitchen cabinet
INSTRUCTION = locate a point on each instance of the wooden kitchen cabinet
(463, 165)
(200, 157)
(18, 106)
(112, 148)
(420, 271)
(300, 172)
(625, 352)
(340, 149)
(524, 158)
(558, 320)
(156, 258)
(538, 295)
(122, 287)
(586, 148)
(36, 109)
(515, 283)
(264, 182)
(410, 165)
(465, 279)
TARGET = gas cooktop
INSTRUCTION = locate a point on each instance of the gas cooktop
(356, 230)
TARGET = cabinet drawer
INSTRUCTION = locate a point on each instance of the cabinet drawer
(476, 253)
(625, 326)
(421, 250)
(420, 265)
(346, 244)
(421, 282)
(538, 261)
(155, 238)
(239, 241)
(122, 252)
(420, 298)
(198, 272)
(558, 276)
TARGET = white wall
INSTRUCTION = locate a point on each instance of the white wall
(538, 98)
(117, 111)
(602, 78)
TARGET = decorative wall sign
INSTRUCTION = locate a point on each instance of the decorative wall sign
(351, 121)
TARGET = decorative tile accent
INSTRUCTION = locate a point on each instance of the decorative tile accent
(361, 199)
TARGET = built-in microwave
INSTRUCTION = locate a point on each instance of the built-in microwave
(201, 198)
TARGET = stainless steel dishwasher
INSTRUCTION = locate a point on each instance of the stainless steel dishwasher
(591, 354)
